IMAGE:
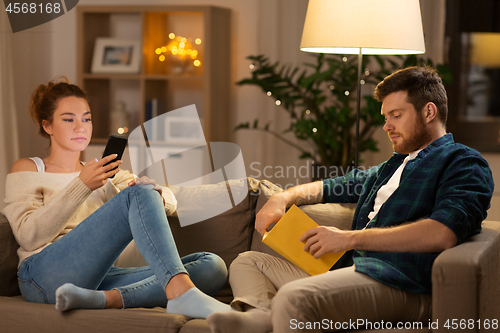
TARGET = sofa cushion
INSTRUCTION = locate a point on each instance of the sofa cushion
(17, 315)
(8, 260)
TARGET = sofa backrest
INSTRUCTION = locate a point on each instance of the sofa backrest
(226, 234)
(8, 260)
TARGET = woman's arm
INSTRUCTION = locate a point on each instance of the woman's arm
(34, 221)
(124, 178)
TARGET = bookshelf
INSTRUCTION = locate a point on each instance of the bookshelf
(206, 86)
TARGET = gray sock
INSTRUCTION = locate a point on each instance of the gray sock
(252, 321)
(69, 296)
(194, 303)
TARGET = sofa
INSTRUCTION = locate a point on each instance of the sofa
(466, 288)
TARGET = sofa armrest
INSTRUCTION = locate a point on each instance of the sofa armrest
(465, 280)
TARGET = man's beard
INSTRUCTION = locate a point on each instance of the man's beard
(415, 140)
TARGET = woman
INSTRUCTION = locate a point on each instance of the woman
(72, 222)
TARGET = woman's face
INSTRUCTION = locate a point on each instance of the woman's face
(71, 127)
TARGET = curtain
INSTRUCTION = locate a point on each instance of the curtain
(433, 22)
(9, 146)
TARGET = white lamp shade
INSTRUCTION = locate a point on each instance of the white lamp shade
(375, 26)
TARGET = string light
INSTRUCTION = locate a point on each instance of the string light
(180, 47)
(347, 93)
(269, 93)
(278, 102)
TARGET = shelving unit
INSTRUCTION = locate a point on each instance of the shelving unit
(207, 86)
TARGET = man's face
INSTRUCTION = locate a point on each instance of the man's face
(404, 125)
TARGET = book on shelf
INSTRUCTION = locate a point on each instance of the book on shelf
(155, 129)
(285, 236)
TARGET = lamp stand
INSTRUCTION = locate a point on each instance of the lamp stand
(358, 107)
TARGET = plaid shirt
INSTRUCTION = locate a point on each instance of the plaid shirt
(447, 182)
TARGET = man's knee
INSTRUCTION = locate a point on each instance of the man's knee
(291, 294)
(248, 258)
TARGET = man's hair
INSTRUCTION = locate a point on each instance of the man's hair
(422, 84)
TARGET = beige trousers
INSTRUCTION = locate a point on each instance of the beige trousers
(337, 300)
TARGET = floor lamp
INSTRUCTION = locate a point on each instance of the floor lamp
(363, 27)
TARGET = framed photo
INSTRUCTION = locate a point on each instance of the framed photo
(113, 55)
(184, 130)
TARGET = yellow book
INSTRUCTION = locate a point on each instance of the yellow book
(284, 238)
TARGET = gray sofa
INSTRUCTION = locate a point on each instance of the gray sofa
(465, 278)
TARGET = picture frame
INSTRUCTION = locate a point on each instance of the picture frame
(114, 55)
(184, 130)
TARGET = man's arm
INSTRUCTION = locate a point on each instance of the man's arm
(275, 208)
(423, 236)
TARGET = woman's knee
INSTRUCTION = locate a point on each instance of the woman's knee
(208, 271)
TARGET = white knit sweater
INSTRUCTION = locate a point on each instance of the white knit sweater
(42, 207)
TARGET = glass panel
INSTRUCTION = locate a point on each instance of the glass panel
(482, 76)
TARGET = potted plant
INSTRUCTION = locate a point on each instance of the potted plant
(321, 103)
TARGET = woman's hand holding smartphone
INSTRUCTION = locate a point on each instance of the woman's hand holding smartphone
(95, 173)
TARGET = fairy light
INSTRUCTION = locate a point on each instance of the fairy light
(278, 102)
(347, 93)
(269, 93)
(180, 47)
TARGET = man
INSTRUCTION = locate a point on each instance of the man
(429, 196)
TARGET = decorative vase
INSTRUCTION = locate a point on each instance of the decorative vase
(119, 119)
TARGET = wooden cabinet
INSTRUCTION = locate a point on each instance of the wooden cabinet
(473, 98)
(206, 86)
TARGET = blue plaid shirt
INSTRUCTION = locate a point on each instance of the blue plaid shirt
(447, 182)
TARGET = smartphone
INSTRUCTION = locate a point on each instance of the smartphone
(116, 145)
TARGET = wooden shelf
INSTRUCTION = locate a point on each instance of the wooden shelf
(207, 86)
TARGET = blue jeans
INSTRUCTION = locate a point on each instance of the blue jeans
(85, 255)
